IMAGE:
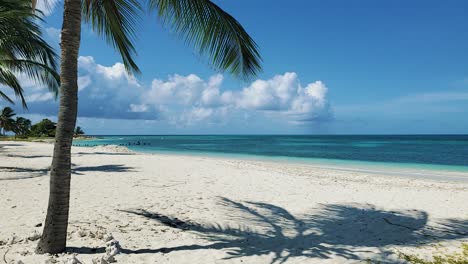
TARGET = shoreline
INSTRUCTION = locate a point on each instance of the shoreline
(379, 169)
(406, 170)
(385, 169)
(444, 173)
(350, 159)
(194, 209)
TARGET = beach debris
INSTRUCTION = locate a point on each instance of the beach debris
(82, 233)
(13, 240)
(38, 225)
(34, 236)
(112, 249)
(108, 237)
(50, 261)
(23, 252)
(72, 260)
(98, 260)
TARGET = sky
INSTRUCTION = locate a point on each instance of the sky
(329, 67)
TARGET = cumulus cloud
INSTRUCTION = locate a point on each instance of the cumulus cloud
(104, 92)
(283, 95)
(109, 92)
(84, 81)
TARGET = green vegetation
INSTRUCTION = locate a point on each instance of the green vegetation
(202, 23)
(23, 128)
(45, 128)
(23, 51)
(78, 131)
(6, 120)
(454, 258)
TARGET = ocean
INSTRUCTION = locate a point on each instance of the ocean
(426, 152)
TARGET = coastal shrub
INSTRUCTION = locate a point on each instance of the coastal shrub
(45, 128)
(454, 258)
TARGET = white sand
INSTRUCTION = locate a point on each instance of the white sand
(182, 209)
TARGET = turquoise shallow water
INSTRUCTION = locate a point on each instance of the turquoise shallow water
(416, 152)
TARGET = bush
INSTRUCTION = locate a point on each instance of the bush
(454, 258)
(45, 128)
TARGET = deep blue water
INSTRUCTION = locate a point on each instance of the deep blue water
(448, 151)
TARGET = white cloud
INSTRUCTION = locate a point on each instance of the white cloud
(86, 62)
(34, 92)
(195, 100)
(39, 97)
(285, 94)
(115, 72)
(84, 81)
(273, 94)
(110, 92)
(138, 108)
(54, 33)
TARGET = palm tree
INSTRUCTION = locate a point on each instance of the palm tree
(79, 131)
(6, 120)
(22, 126)
(200, 22)
(23, 51)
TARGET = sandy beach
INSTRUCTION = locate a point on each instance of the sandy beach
(193, 209)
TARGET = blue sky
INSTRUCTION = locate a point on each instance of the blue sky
(330, 67)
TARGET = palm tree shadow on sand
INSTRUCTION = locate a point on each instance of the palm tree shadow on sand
(335, 230)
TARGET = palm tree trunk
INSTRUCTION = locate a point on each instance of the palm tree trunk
(54, 236)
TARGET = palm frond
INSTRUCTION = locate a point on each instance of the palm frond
(7, 112)
(6, 98)
(23, 50)
(9, 79)
(213, 32)
(35, 71)
(115, 20)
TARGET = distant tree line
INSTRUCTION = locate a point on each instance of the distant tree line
(23, 127)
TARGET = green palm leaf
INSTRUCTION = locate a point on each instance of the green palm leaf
(6, 119)
(23, 50)
(9, 79)
(115, 20)
(213, 32)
